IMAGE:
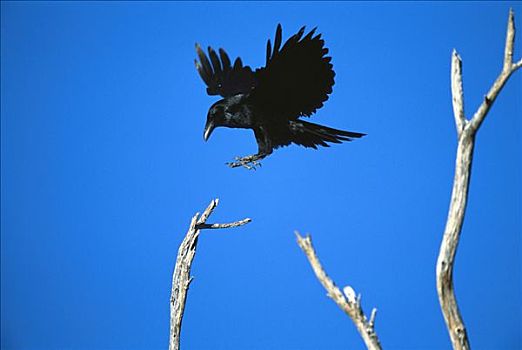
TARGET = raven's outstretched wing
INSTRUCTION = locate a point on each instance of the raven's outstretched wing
(220, 76)
(297, 78)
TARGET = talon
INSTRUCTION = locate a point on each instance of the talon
(247, 162)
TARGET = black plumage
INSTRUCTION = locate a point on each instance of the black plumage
(295, 82)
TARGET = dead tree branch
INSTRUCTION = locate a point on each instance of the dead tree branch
(181, 278)
(348, 302)
(466, 131)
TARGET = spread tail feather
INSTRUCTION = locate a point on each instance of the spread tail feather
(312, 135)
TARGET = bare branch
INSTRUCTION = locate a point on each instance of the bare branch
(457, 92)
(181, 277)
(210, 208)
(450, 242)
(510, 42)
(227, 225)
(507, 69)
(349, 304)
(459, 195)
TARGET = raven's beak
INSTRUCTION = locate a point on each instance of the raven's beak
(209, 127)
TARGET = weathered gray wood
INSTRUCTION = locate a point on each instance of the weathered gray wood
(181, 277)
(347, 302)
(466, 131)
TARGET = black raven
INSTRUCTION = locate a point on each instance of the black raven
(295, 82)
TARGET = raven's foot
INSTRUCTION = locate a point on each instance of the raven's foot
(249, 162)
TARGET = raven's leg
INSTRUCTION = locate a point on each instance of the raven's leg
(264, 149)
(250, 162)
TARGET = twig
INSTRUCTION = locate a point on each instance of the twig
(466, 131)
(372, 317)
(227, 225)
(350, 304)
(181, 277)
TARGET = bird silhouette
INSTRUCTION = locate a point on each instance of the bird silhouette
(272, 100)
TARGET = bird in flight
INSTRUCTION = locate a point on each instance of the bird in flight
(295, 82)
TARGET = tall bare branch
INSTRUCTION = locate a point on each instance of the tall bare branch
(466, 131)
(181, 277)
(348, 302)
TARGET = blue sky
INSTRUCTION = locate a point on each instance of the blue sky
(104, 163)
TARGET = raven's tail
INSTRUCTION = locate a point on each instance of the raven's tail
(312, 135)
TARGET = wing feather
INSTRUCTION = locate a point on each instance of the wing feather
(268, 50)
(206, 70)
(216, 63)
(297, 78)
(225, 60)
(278, 39)
(220, 77)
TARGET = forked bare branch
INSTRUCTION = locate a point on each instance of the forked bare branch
(466, 131)
(181, 277)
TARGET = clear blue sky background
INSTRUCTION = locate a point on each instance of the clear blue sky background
(104, 163)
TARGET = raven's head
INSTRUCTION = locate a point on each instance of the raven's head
(230, 112)
(215, 118)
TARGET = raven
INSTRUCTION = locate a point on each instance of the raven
(295, 82)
